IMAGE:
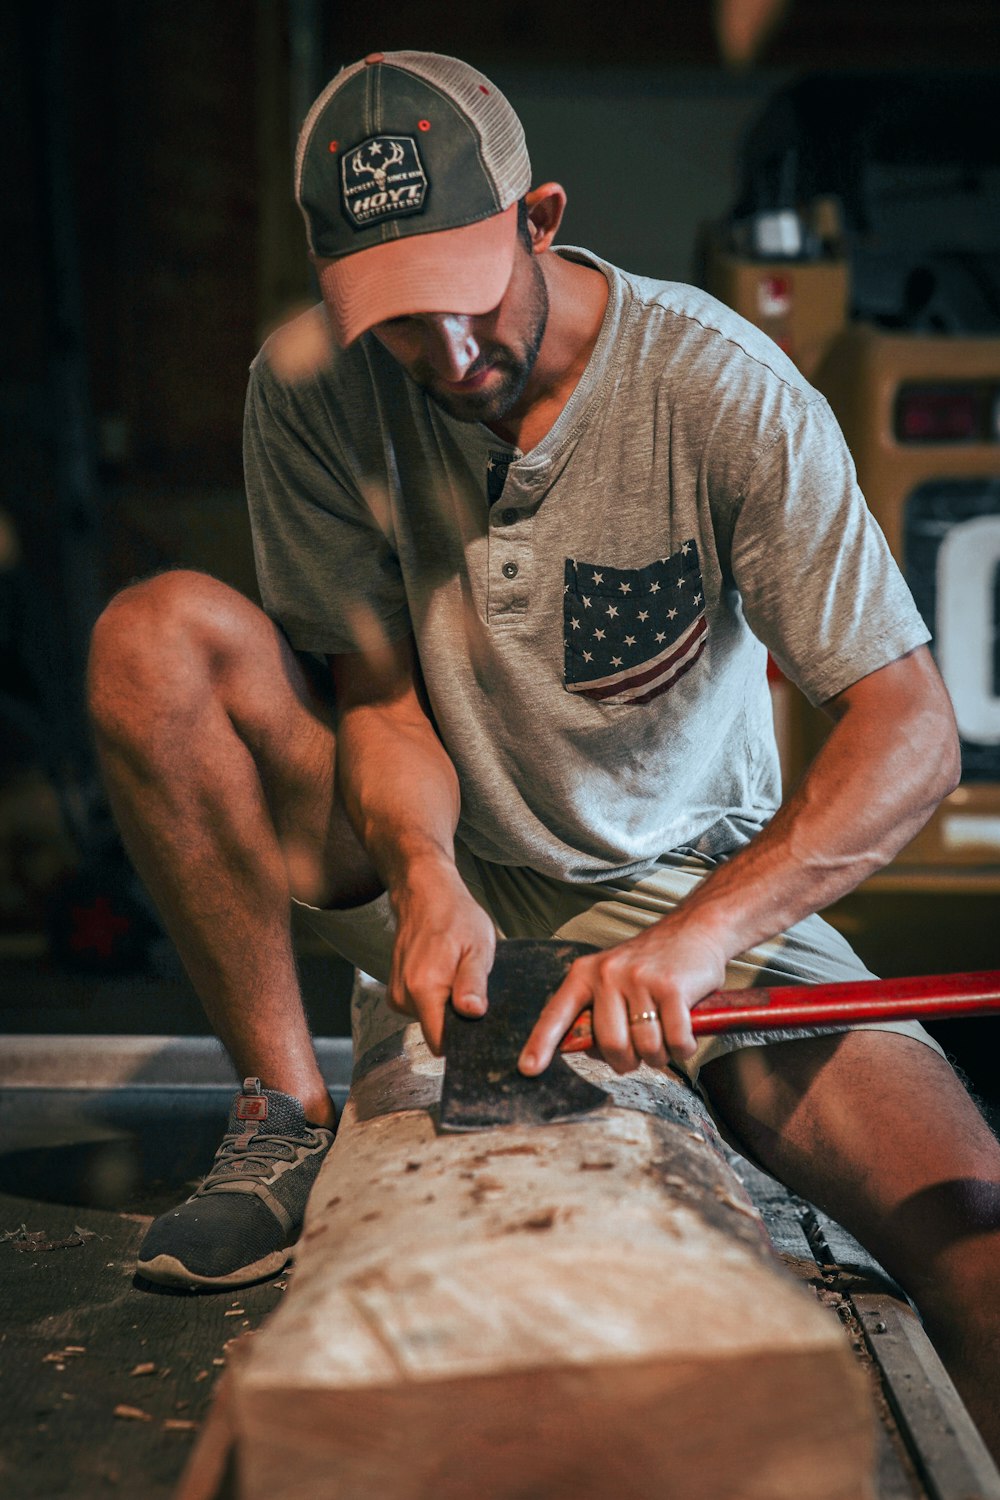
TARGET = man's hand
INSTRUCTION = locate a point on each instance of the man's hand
(641, 991)
(444, 949)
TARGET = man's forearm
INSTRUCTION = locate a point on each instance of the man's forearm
(889, 760)
(400, 790)
(402, 794)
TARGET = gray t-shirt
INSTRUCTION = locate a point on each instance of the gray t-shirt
(592, 641)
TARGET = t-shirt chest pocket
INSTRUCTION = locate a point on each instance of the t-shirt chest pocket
(630, 633)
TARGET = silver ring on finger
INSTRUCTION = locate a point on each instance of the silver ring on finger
(642, 1017)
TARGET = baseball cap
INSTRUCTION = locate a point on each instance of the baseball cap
(408, 171)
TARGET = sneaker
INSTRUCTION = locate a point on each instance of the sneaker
(243, 1221)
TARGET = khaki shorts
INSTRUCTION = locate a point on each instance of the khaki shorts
(524, 904)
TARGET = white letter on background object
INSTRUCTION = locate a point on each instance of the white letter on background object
(967, 564)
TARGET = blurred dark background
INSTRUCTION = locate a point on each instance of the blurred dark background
(150, 240)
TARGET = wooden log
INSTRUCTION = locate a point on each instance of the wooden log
(580, 1310)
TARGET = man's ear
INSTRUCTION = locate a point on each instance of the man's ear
(546, 206)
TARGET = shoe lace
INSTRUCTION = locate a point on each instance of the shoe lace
(239, 1162)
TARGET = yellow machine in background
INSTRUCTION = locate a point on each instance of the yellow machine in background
(803, 304)
(922, 418)
(870, 259)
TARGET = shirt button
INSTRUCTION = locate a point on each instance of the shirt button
(509, 516)
(509, 570)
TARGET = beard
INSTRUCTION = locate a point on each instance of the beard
(513, 366)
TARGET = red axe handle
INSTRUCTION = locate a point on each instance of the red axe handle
(931, 997)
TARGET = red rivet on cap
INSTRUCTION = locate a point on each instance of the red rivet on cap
(374, 57)
(423, 124)
(334, 145)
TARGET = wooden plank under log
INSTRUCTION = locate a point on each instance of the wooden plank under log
(589, 1309)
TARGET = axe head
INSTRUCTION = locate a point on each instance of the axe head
(482, 1086)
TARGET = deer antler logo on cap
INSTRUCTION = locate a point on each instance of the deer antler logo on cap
(377, 169)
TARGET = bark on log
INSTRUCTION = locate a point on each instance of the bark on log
(580, 1310)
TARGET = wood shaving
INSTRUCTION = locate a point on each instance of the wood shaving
(35, 1240)
(238, 1338)
(132, 1414)
(545, 1219)
(144, 1369)
(746, 1209)
(512, 1151)
(179, 1424)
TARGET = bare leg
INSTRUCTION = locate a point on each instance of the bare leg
(877, 1130)
(218, 756)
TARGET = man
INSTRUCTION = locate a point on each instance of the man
(542, 518)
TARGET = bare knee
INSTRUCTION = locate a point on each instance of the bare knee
(177, 611)
(162, 641)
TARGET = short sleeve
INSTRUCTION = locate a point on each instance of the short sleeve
(326, 564)
(818, 583)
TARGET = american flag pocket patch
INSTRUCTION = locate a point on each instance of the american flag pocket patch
(630, 633)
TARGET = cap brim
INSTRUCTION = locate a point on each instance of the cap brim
(463, 270)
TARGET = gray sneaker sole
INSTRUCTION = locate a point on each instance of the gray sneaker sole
(167, 1270)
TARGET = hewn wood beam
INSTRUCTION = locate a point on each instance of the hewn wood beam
(579, 1310)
